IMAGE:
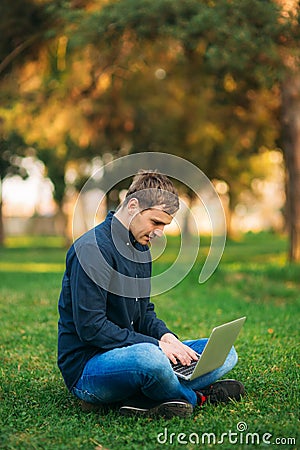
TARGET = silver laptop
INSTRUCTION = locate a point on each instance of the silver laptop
(215, 351)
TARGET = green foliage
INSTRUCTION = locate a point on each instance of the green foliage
(234, 36)
(199, 79)
(253, 279)
(56, 168)
(12, 147)
(217, 101)
(25, 27)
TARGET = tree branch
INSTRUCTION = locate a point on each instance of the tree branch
(16, 52)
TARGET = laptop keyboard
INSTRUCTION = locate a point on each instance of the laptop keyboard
(184, 370)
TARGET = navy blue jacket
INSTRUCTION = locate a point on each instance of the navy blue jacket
(104, 301)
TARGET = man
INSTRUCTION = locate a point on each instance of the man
(112, 348)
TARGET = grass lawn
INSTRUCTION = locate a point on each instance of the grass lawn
(253, 279)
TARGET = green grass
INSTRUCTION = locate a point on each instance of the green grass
(253, 279)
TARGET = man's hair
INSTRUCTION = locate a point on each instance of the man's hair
(152, 188)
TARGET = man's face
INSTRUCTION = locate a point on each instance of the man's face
(149, 223)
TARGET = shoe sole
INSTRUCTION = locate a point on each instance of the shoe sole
(167, 410)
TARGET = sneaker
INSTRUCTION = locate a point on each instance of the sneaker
(169, 409)
(221, 392)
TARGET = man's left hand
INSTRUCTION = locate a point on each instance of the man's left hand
(177, 350)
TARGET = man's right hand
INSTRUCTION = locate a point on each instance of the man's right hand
(177, 351)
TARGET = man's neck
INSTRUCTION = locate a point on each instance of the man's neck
(122, 217)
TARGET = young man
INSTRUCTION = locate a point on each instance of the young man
(112, 348)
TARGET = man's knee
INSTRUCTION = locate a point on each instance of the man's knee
(232, 357)
(151, 357)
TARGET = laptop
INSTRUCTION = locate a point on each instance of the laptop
(215, 351)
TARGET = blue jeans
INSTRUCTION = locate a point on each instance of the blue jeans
(142, 370)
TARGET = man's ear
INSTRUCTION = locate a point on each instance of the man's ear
(133, 206)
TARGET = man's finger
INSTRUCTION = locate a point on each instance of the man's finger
(192, 353)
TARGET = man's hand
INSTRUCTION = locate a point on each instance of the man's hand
(176, 350)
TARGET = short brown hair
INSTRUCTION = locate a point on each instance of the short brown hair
(152, 188)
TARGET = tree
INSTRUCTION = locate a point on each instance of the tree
(291, 145)
(25, 26)
(290, 90)
(31, 40)
(237, 46)
(200, 79)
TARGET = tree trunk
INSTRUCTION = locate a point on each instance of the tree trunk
(291, 148)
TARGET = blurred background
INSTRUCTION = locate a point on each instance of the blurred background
(84, 82)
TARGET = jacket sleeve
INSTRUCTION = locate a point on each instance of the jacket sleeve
(89, 303)
(153, 326)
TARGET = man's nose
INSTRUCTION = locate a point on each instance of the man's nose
(159, 231)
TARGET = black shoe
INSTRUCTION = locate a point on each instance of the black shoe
(221, 392)
(169, 409)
